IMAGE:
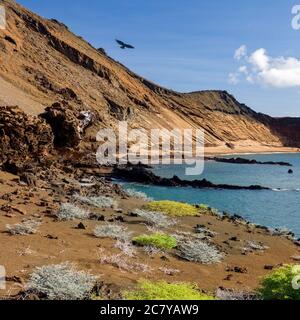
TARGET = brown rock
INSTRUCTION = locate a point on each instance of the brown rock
(237, 269)
(65, 124)
(23, 139)
(10, 215)
(268, 267)
(15, 279)
(81, 226)
(228, 278)
(51, 237)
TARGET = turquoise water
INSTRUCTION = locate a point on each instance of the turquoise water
(273, 208)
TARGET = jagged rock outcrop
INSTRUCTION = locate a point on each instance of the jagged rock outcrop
(65, 124)
(68, 123)
(23, 138)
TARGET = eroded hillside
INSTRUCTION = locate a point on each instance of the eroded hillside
(43, 62)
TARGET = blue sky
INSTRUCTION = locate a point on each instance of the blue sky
(190, 45)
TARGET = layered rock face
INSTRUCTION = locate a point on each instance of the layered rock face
(43, 63)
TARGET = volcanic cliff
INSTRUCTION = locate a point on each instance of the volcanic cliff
(43, 63)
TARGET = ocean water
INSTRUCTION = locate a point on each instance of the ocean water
(277, 208)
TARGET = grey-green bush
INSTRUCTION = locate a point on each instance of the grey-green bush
(61, 282)
(156, 219)
(68, 211)
(24, 228)
(101, 202)
(199, 251)
(112, 231)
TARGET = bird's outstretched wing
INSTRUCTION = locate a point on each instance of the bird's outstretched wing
(129, 46)
(121, 43)
(124, 45)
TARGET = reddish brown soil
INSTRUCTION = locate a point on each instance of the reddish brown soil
(20, 254)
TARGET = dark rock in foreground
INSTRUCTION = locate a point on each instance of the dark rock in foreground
(141, 175)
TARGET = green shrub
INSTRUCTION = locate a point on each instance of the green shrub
(157, 240)
(172, 208)
(161, 290)
(203, 206)
(278, 285)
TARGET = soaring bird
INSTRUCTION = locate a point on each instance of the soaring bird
(124, 45)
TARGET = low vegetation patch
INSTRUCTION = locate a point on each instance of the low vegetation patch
(202, 230)
(138, 195)
(172, 208)
(199, 251)
(183, 236)
(205, 209)
(235, 295)
(126, 248)
(101, 202)
(121, 262)
(156, 219)
(24, 228)
(161, 290)
(112, 231)
(278, 285)
(203, 206)
(68, 212)
(61, 282)
(169, 271)
(153, 251)
(252, 245)
(157, 240)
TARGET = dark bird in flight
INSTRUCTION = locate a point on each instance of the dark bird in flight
(124, 45)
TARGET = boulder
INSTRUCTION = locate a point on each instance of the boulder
(23, 139)
(64, 123)
(68, 124)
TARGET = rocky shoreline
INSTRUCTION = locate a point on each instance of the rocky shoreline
(35, 197)
(249, 251)
(143, 175)
(248, 161)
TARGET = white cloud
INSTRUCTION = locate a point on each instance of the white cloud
(240, 53)
(261, 68)
(243, 69)
(259, 59)
(250, 79)
(233, 78)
